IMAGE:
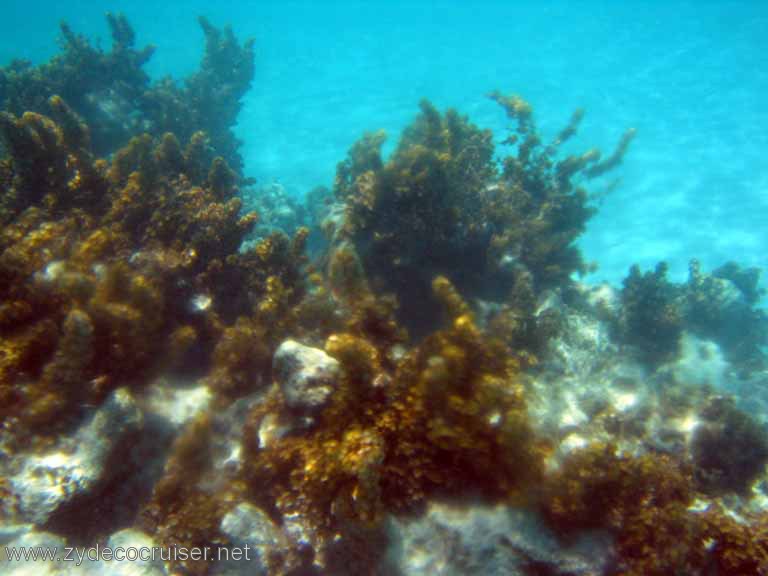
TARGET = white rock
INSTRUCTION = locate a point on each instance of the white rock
(177, 402)
(46, 482)
(80, 561)
(271, 430)
(603, 297)
(137, 540)
(700, 362)
(11, 532)
(485, 540)
(584, 346)
(623, 401)
(307, 376)
(200, 303)
(227, 437)
(572, 416)
(572, 442)
(42, 542)
(52, 271)
(253, 534)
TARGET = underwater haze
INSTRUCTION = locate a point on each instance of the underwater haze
(691, 77)
(384, 288)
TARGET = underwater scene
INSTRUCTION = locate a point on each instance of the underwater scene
(384, 288)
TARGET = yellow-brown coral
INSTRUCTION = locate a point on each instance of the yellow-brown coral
(101, 269)
(647, 503)
(450, 418)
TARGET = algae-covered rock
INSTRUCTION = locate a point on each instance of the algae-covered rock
(78, 465)
(307, 376)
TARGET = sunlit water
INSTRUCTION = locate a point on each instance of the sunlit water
(692, 77)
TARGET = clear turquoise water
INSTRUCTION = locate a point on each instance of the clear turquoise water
(692, 77)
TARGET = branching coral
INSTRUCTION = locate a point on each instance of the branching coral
(449, 419)
(643, 500)
(721, 306)
(51, 161)
(133, 269)
(114, 95)
(647, 502)
(103, 266)
(102, 87)
(243, 354)
(652, 317)
(181, 513)
(439, 206)
(538, 208)
(416, 215)
(729, 448)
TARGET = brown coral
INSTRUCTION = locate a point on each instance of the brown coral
(648, 503)
(451, 418)
(101, 267)
(441, 206)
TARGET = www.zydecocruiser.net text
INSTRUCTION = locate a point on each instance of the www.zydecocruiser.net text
(126, 554)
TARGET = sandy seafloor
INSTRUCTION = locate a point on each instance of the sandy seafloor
(690, 76)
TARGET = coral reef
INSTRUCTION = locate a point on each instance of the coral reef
(721, 306)
(652, 319)
(278, 211)
(440, 206)
(450, 418)
(649, 502)
(115, 271)
(729, 449)
(438, 350)
(116, 98)
(106, 266)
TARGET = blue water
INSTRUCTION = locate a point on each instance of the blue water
(692, 77)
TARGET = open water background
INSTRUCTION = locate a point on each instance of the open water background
(691, 76)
